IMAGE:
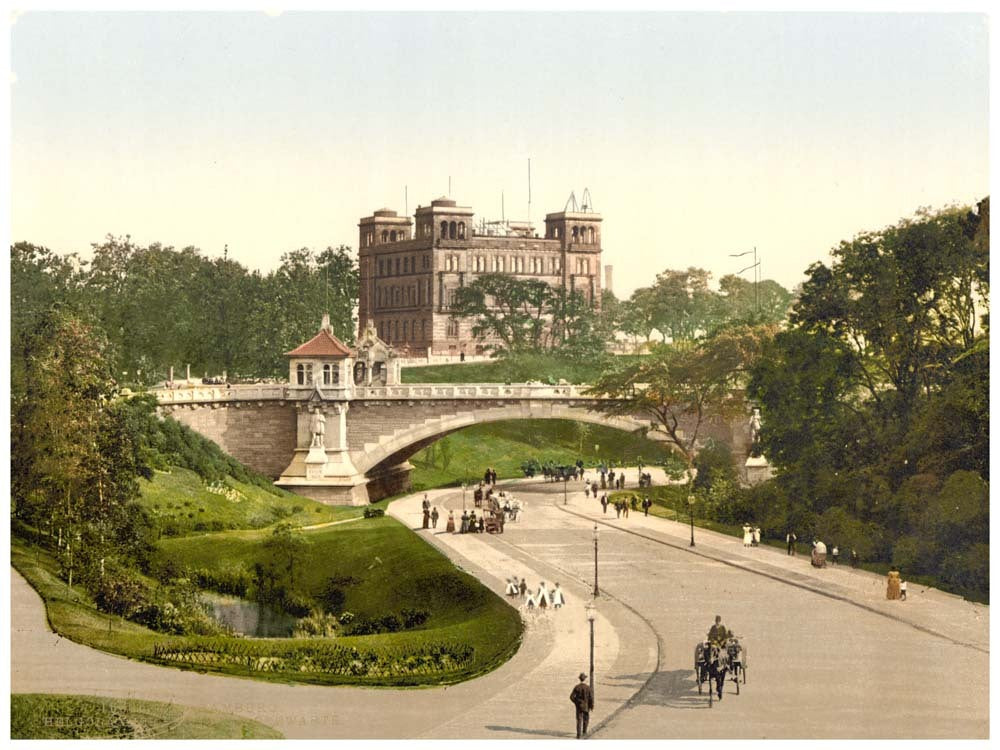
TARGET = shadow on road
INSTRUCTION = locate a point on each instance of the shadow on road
(676, 689)
(543, 732)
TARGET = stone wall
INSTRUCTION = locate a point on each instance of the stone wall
(260, 435)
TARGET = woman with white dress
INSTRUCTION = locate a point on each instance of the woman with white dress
(512, 589)
(557, 597)
(747, 538)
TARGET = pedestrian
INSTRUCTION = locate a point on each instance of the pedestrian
(593, 487)
(586, 490)
(790, 541)
(646, 505)
(902, 590)
(523, 588)
(465, 523)
(434, 517)
(756, 536)
(855, 560)
(542, 599)
(618, 508)
(747, 535)
(625, 509)
(512, 589)
(604, 503)
(557, 597)
(427, 518)
(450, 528)
(583, 698)
(835, 554)
(482, 523)
(634, 502)
(426, 504)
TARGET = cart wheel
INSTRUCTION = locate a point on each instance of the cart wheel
(698, 675)
(711, 692)
(736, 677)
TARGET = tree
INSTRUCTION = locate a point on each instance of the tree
(73, 463)
(511, 310)
(740, 300)
(677, 387)
(287, 549)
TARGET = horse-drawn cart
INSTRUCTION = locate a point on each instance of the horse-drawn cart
(714, 661)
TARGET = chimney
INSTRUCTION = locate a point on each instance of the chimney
(608, 279)
(326, 323)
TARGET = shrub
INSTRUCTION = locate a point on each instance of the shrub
(413, 618)
(317, 625)
(120, 593)
(374, 513)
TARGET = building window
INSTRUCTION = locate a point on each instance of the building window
(397, 266)
(406, 265)
(444, 230)
(461, 230)
(406, 330)
(452, 230)
(392, 236)
(385, 235)
(381, 267)
(453, 328)
(300, 375)
(592, 233)
(327, 375)
(359, 373)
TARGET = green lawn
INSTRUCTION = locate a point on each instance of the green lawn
(465, 454)
(61, 717)
(389, 567)
(182, 504)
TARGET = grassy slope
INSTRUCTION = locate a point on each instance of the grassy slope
(181, 498)
(409, 573)
(505, 445)
(37, 716)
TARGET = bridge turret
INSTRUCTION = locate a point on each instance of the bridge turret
(324, 361)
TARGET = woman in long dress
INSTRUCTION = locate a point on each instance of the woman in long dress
(542, 597)
(747, 538)
(450, 528)
(756, 536)
(512, 589)
(557, 597)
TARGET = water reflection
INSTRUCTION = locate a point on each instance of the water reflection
(247, 617)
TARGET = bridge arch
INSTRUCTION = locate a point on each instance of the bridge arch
(403, 443)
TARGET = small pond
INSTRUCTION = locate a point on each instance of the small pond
(247, 617)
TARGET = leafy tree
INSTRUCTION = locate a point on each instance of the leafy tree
(507, 309)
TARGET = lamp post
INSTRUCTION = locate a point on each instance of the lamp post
(464, 486)
(691, 513)
(597, 591)
(591, 614)
(565, 478)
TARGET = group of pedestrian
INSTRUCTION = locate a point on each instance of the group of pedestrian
(818, 549)
(490, 476)
(751, 535)
(542, 599)
(431, 515)
(471, 524)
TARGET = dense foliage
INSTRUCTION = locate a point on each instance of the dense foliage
(876, 399)
(160, 307)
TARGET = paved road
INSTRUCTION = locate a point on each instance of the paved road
(829, 657)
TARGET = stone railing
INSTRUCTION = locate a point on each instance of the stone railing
(201, 394)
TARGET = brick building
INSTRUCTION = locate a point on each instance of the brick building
(410, 268)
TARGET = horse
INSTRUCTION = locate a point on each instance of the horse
(711, 662)
(737, 660)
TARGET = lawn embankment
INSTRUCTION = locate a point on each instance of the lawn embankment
(181, 502)
(37, 716)
(464, 455)
(382, 570)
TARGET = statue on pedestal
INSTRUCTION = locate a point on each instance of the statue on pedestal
(755, 432)
(317, 426)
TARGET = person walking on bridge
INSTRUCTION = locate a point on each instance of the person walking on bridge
(583, 698)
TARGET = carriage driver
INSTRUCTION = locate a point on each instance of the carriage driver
(718, 634)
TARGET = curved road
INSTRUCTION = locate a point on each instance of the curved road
(828, 655)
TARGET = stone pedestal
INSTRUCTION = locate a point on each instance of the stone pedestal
(757, 470)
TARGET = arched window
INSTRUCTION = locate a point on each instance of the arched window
(461, 230)
(300, 374)
(309, 374)
(359, 373)
(392, 236)
(444, 230)
(593, 235)
(451, 231)
(576, 234)
(327, 375)
(385, 235)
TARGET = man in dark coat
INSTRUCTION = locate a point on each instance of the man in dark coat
(583, 698)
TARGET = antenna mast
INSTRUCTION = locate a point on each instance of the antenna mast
(529, 191)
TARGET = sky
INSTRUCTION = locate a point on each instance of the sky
(698, 135)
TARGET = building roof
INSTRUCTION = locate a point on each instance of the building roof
(323, 344)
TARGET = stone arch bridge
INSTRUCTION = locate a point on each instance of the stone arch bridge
(372, 431)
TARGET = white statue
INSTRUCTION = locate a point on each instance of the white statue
(317, 426)
(755, 425)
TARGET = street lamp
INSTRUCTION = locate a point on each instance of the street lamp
(464, 486)
(565, 478)
(691, 513)
(591, 614)
(597, 591)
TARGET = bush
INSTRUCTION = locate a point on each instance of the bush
(413, 618)
(374, 513)
(120, 593)
(317, 625)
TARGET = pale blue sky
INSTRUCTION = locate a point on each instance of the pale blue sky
(699, 135)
